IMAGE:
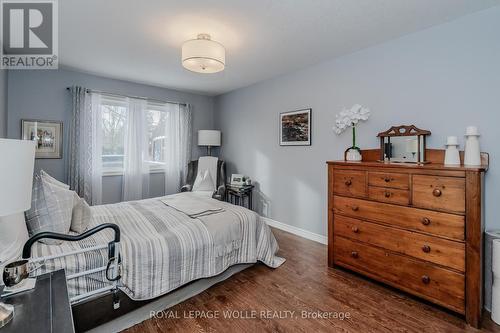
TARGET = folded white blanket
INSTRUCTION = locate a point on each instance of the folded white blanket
(192, 206)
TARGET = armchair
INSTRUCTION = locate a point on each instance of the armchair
(220, 193)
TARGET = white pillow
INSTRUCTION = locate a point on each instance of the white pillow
(81, 214)
(51, 209)
(204, 182)
(45, 176)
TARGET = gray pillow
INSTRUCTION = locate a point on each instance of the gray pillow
(45, 176)
(81, 214)
(51, 209)
(81, 210)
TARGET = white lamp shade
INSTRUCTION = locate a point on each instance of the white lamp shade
(209, 138)
(16, 175)
(203, 55)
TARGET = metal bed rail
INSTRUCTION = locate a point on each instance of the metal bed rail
(112, 269)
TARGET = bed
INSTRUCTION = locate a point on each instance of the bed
(163, 246)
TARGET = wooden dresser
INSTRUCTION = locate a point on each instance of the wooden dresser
(416, 228)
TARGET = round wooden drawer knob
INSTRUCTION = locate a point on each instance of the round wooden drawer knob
(426, 248)
(354, 254)
(437, 192)
(426, 221)
(355, 208)
(387, 194)
(348, 182)
(387, 179)
(355, 229)
(426, 279)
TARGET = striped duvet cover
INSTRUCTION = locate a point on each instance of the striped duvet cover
(163, 248)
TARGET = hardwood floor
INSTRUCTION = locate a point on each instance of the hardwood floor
(305, 283)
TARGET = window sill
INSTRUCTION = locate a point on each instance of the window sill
(120, 173)
(112, 173)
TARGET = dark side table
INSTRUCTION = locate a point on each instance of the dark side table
(241, 196)
(45, 308)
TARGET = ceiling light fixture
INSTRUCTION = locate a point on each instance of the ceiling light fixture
(203, 55)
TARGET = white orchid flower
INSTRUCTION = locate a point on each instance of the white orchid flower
(350, 117)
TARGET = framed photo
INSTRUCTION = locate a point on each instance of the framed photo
(47, 134)
(295, 128)
(237, 180)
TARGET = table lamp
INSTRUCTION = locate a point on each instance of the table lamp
(16, 179)
(209, 138)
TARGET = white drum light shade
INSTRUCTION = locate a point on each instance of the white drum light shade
(203, 55)
(16, 175)
(209, 138)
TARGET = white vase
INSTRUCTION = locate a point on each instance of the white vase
(452, 155)
(472, 156)
(353, 154)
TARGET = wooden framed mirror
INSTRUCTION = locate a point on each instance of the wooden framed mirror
(403, 144)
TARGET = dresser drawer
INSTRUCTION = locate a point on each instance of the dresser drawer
(437, 223)
(443, 193)
(434, 249)
(389, 179)
(423, 279)
(350, 183)
(390, 195)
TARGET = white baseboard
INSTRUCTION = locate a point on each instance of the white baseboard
(296, 231)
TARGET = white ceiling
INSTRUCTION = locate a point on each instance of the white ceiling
(140, 40)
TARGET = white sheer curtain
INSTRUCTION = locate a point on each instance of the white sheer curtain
(85, 169)
(96, 158)
(178, 146)
(85, 145)
(135, 168)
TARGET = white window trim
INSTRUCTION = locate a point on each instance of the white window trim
(110, 172)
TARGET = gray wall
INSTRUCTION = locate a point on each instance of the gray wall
(442, 79)
(3, 103)
(42, 94)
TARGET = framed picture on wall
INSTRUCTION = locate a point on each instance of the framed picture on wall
(295, 128)
(47, 135)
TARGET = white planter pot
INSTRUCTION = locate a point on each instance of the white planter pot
(472, 152)
(353, 154)
(452, 156)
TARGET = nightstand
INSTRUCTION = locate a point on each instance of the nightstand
(45, 308)
(240, 195)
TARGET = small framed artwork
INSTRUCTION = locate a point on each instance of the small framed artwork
(47, 134)
(237, 180)
(295, 128)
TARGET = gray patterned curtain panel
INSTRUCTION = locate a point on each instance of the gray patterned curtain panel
(85, 165)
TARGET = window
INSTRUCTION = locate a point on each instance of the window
(114, 115)
(156, 122)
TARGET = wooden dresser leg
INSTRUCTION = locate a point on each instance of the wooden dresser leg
(474, 250)
(330, 217)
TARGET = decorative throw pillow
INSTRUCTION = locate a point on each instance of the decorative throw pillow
(81, 210)
(204, 182)
(45, 176)
(81, 214)
(51, 209)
